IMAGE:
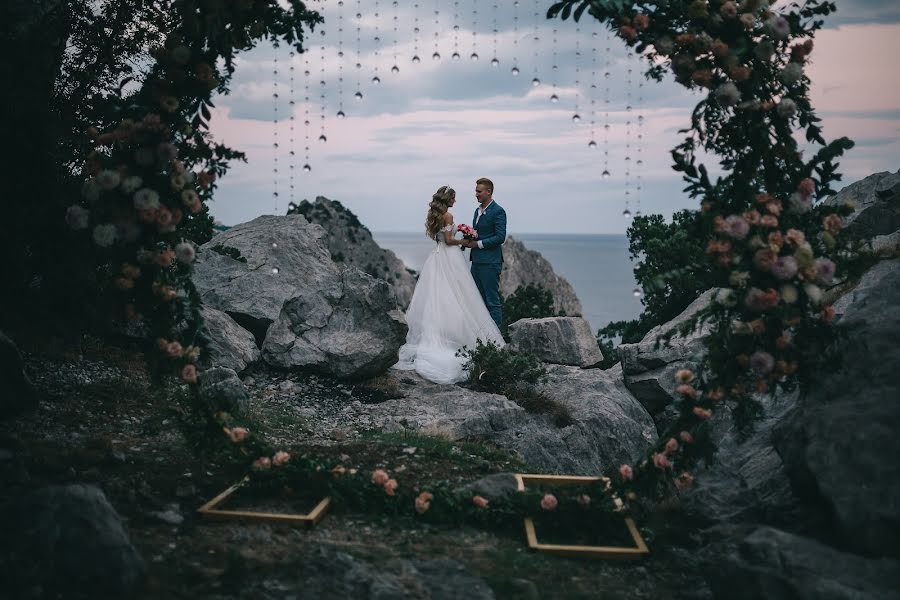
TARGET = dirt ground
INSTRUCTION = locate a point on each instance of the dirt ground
(102, 421)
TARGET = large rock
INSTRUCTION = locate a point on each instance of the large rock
(609, 427)
(560, 340)
(302, 308)
(840, 445)
(17, 392)
(229, 345)
(446, 410)
(522, 266)
(650, 367)
(223, 390)
(350, 242)
(775, 565)
(877, 199)
(357, 335)
(747, 481)
(67, 541)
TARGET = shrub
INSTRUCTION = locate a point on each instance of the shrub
(514, 375)
(530, 301)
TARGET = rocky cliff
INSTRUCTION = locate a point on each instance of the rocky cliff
(522, 266)
(350, 242)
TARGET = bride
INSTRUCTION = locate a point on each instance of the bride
(446, 311)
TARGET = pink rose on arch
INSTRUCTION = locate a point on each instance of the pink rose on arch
(262, 463)
(825, 269)
(189, 374)
(762, 362)
(661, 461)
(549, 502)
(380, 477)
(671, 446)
(390, 486)
(281, 458)
(480, 501)
(627, 472)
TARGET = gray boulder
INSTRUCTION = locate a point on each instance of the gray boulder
(522, 266)
(559, 340)
(16, 389)
(302, 308)
(877, 199)
(230, 345)
(772, 564)
(351, 243)
(649, 368)
(67, 541)
(747, 481)
(840, 444)
(223, 390)
(493, 487)
(610, 427)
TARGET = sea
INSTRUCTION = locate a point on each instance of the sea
(597, 266)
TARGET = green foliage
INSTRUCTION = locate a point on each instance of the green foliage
(514, 375)
(530, 301)
(229, 251)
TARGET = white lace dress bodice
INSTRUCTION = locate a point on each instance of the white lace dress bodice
(446, 313)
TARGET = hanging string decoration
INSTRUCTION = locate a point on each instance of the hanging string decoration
(358, 95)
(455, 55)
(592, 144)
(535, 38)
(606, 126)
(576, 118)
(275, 127)
(306, 124)
(415, 57)
(554, 98)
(437, 30)
(495, 62)
(376, 80)
(474, 55)
(628, 89)
(292, 150)
(340, 113)
(395, 69)
(322, 137)
(515, 67)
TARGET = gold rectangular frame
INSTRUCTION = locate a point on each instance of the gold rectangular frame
(639, 549)
(210, 510)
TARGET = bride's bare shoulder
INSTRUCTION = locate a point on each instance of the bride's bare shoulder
(447, 218)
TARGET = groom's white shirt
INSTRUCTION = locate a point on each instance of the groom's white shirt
(481, 212)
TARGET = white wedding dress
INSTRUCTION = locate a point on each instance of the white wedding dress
(445, 314)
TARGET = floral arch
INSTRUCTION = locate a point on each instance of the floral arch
(771, 250)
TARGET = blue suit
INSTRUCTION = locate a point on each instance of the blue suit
(487, 262)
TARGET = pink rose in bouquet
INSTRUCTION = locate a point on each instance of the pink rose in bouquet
(468, 232)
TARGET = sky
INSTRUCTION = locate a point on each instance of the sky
(449, 122)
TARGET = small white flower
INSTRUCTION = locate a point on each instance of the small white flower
(178, 181)
(799, 203)
(130, 184)
(105, 235)
(787, 108)
(791, 74)
(146, 199)
(813, 292)
(90, 190)
(789, 293)
(77, 218)
(189, 197)
(185, 252)
(108, 179)
(725, 297)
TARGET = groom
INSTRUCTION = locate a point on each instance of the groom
(486, 256)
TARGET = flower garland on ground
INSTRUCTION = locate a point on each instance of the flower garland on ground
(151, 171)
(774, 253)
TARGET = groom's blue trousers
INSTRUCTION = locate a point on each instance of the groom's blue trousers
(487, 280)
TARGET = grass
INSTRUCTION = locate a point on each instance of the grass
(440, 446)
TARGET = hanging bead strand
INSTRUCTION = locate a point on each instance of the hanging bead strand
(340, 113)
(553, 68)
(358, 95)
(606, 126)
(495, 62)
(535, 38)
(474, 55)
(515, 67)
(395, 69)
(275, 128)
(437, 30)
(376, 80)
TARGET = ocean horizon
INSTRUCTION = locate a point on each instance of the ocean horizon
(596, 265)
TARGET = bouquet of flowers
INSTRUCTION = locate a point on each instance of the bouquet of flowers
(468, 232)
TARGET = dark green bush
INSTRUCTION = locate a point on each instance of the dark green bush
(531, 301)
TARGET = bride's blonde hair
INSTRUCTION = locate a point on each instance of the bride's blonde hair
(439, 205)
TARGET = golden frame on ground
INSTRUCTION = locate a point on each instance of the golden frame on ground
(210, 510)
(622, 552)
